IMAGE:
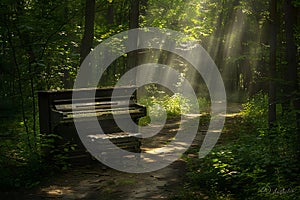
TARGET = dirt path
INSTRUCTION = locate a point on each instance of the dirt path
(93, 182)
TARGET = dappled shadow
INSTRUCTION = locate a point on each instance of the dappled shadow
(163, 137)
(94, 181)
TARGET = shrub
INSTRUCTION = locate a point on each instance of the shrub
(255, 111)
(159, 107)
(261, 164)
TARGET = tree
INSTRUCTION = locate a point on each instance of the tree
(272, 64)
(88, 35)
(132, 57)
(292, 89)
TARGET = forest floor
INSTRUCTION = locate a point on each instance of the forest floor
(93, 181)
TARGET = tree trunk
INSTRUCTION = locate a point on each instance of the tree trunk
(88, 35)
(291, 51)
(272, 67)
(132, 59)
(291, 57)
(110, 14)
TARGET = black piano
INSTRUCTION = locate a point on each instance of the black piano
(57, 112)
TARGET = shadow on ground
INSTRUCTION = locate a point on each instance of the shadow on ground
(93, 181)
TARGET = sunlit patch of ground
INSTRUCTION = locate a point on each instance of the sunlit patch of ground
(167, 134)
(57, 190)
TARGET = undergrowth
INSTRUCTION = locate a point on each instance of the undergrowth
(168, 106)
(261, 164)
(23, 164)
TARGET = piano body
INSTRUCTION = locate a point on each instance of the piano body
(57, 112)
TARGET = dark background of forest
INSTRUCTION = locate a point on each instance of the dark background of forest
(254, 43)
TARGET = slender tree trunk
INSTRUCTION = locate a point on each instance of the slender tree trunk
(110, 14)
(27, 45)
(132, 58)
(291, 50)
(292, 63)
(32, 74)
(272, 67)
(134, 14)
(20, 88)
(88, 36)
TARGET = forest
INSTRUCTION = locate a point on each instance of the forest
(255, 45)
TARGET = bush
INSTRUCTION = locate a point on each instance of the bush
(160, 107)
(24, 166)
(261, 164)
(255, 111)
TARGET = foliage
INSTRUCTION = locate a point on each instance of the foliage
(40, 45)
(261, 164)
(160, 105)
(256, 110)
(204, 105)
(196, 23)
(165, 106)
(21, 167)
